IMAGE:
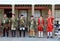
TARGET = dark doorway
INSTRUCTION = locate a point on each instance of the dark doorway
(8, 12)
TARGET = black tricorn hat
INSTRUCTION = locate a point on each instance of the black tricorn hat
(22, 15)
(32, 16)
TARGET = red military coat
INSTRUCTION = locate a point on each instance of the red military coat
(40, 24)
(50, 24)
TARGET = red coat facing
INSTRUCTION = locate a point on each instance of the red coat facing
(50, 24)
(40, 24)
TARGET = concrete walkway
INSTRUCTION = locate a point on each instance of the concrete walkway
(27, 39)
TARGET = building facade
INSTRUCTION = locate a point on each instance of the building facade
(26, 10)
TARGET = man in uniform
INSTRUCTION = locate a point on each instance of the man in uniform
(40, 26)
(0, 26)
(5, 22)
(22, 25)
(32, 27)
(13, 25)
(49, 24)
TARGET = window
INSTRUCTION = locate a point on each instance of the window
(37, 14)
(23, 12)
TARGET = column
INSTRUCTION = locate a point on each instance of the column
(33, 9)
(53, 9)
(13, 9)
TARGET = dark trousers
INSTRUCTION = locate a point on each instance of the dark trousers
(22, 32)
(5, 31)
(13, 33)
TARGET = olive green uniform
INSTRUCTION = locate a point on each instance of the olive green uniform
(13, 26)
(22, 26)
(5, 26)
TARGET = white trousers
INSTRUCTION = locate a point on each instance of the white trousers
(49, 34)
(40, 33)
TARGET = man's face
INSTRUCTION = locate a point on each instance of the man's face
(41, 17)
(49, 12)
(4, 15)
(32, 18)
(13, 16)
(22, 17)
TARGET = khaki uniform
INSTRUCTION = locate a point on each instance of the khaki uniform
(32, 27)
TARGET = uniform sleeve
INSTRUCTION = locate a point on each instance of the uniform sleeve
(25, 21)
(43, 21)
(34, 23)
(16, 23)
(29, 23)
(7, 20)
(38, 22)
(52, 18)
(2, 21)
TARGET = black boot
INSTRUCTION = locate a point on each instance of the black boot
(48, 37)
(51, 37)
